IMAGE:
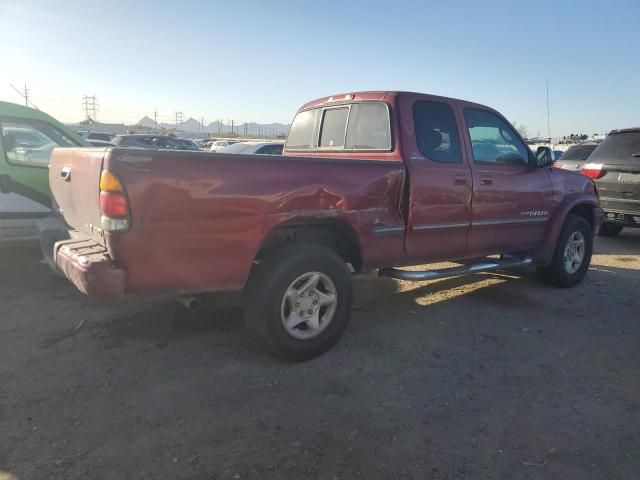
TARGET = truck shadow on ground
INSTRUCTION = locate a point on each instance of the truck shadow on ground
(221, 315)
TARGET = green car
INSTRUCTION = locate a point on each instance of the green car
(27, 138)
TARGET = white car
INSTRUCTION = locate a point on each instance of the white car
(19, 217)
(219, 145)
(255, 148)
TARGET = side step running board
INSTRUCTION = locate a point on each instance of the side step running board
(455, 271)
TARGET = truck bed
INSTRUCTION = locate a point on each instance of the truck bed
(199, 219)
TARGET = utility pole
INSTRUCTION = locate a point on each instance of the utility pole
(232, 127)
(155, 118)
(24, 94)
(219, 126)
(90, 105)
(178, 119)
(201, 124)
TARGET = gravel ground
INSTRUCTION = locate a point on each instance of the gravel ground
(488, 376)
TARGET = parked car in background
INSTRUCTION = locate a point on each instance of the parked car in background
(218, 145)
(257, 148)
(371, 180)
(143, 140)
(100, 143)
(576, 156)
(615, 168)
(89, 135)
(188, 144)
(27, 138)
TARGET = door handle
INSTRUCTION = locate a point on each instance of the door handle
(460, 180)
(65, 174)
(486, 181)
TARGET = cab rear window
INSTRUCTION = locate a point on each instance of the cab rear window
(356, 127)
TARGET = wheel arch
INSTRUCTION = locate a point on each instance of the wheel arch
(583, 205)
(335, 234)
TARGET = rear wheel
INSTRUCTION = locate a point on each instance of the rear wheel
(609, 230)
(572, 255)
(298, 301)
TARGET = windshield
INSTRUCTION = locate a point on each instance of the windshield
(618, 147)
(579, 152)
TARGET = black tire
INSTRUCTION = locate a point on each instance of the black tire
(609, 230)
(265, 291)
(556, 273)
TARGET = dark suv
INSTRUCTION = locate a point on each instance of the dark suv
(574, 158)
(615, 167)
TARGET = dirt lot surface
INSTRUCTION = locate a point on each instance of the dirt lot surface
(489, 376)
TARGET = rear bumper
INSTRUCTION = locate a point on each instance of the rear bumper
(88, 266)
(624, 219)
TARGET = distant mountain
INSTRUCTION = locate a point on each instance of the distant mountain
(192, 125)
(147, 122)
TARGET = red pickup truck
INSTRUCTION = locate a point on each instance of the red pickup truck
(371, 180)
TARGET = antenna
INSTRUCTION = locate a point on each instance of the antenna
(548, 114)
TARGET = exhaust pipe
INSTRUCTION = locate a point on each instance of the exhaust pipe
(191, 303)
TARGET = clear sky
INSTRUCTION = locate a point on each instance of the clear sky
(258, 61)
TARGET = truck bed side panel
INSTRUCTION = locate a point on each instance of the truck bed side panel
(198, 220)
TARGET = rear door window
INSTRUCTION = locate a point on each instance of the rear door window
(334, 126)
(436, 132)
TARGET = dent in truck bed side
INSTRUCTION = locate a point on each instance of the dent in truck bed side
(198, 220)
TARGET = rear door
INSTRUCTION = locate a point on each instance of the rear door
(439, 180)
(512, 198)
(619, 187)
(74, 176)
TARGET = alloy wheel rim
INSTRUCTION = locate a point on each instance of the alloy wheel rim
(308, 305)
(574, 252)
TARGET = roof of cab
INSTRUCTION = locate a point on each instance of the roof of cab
(14, 110)
(8, 109)
(380, 95)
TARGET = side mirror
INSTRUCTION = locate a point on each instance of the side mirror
(5, 183)
(544, 157)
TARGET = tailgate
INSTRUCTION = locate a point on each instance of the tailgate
(620, 187)
(74, 177)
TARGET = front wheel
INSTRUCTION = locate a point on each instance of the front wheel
(572, 255)
(298, 301)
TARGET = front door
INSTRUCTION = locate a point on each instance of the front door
(511, 197)
(439, 181)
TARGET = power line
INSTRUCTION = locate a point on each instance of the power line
(25, 94)
(90, 105)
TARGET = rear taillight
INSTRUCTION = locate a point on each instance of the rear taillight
(114, 206)
(593, 170)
